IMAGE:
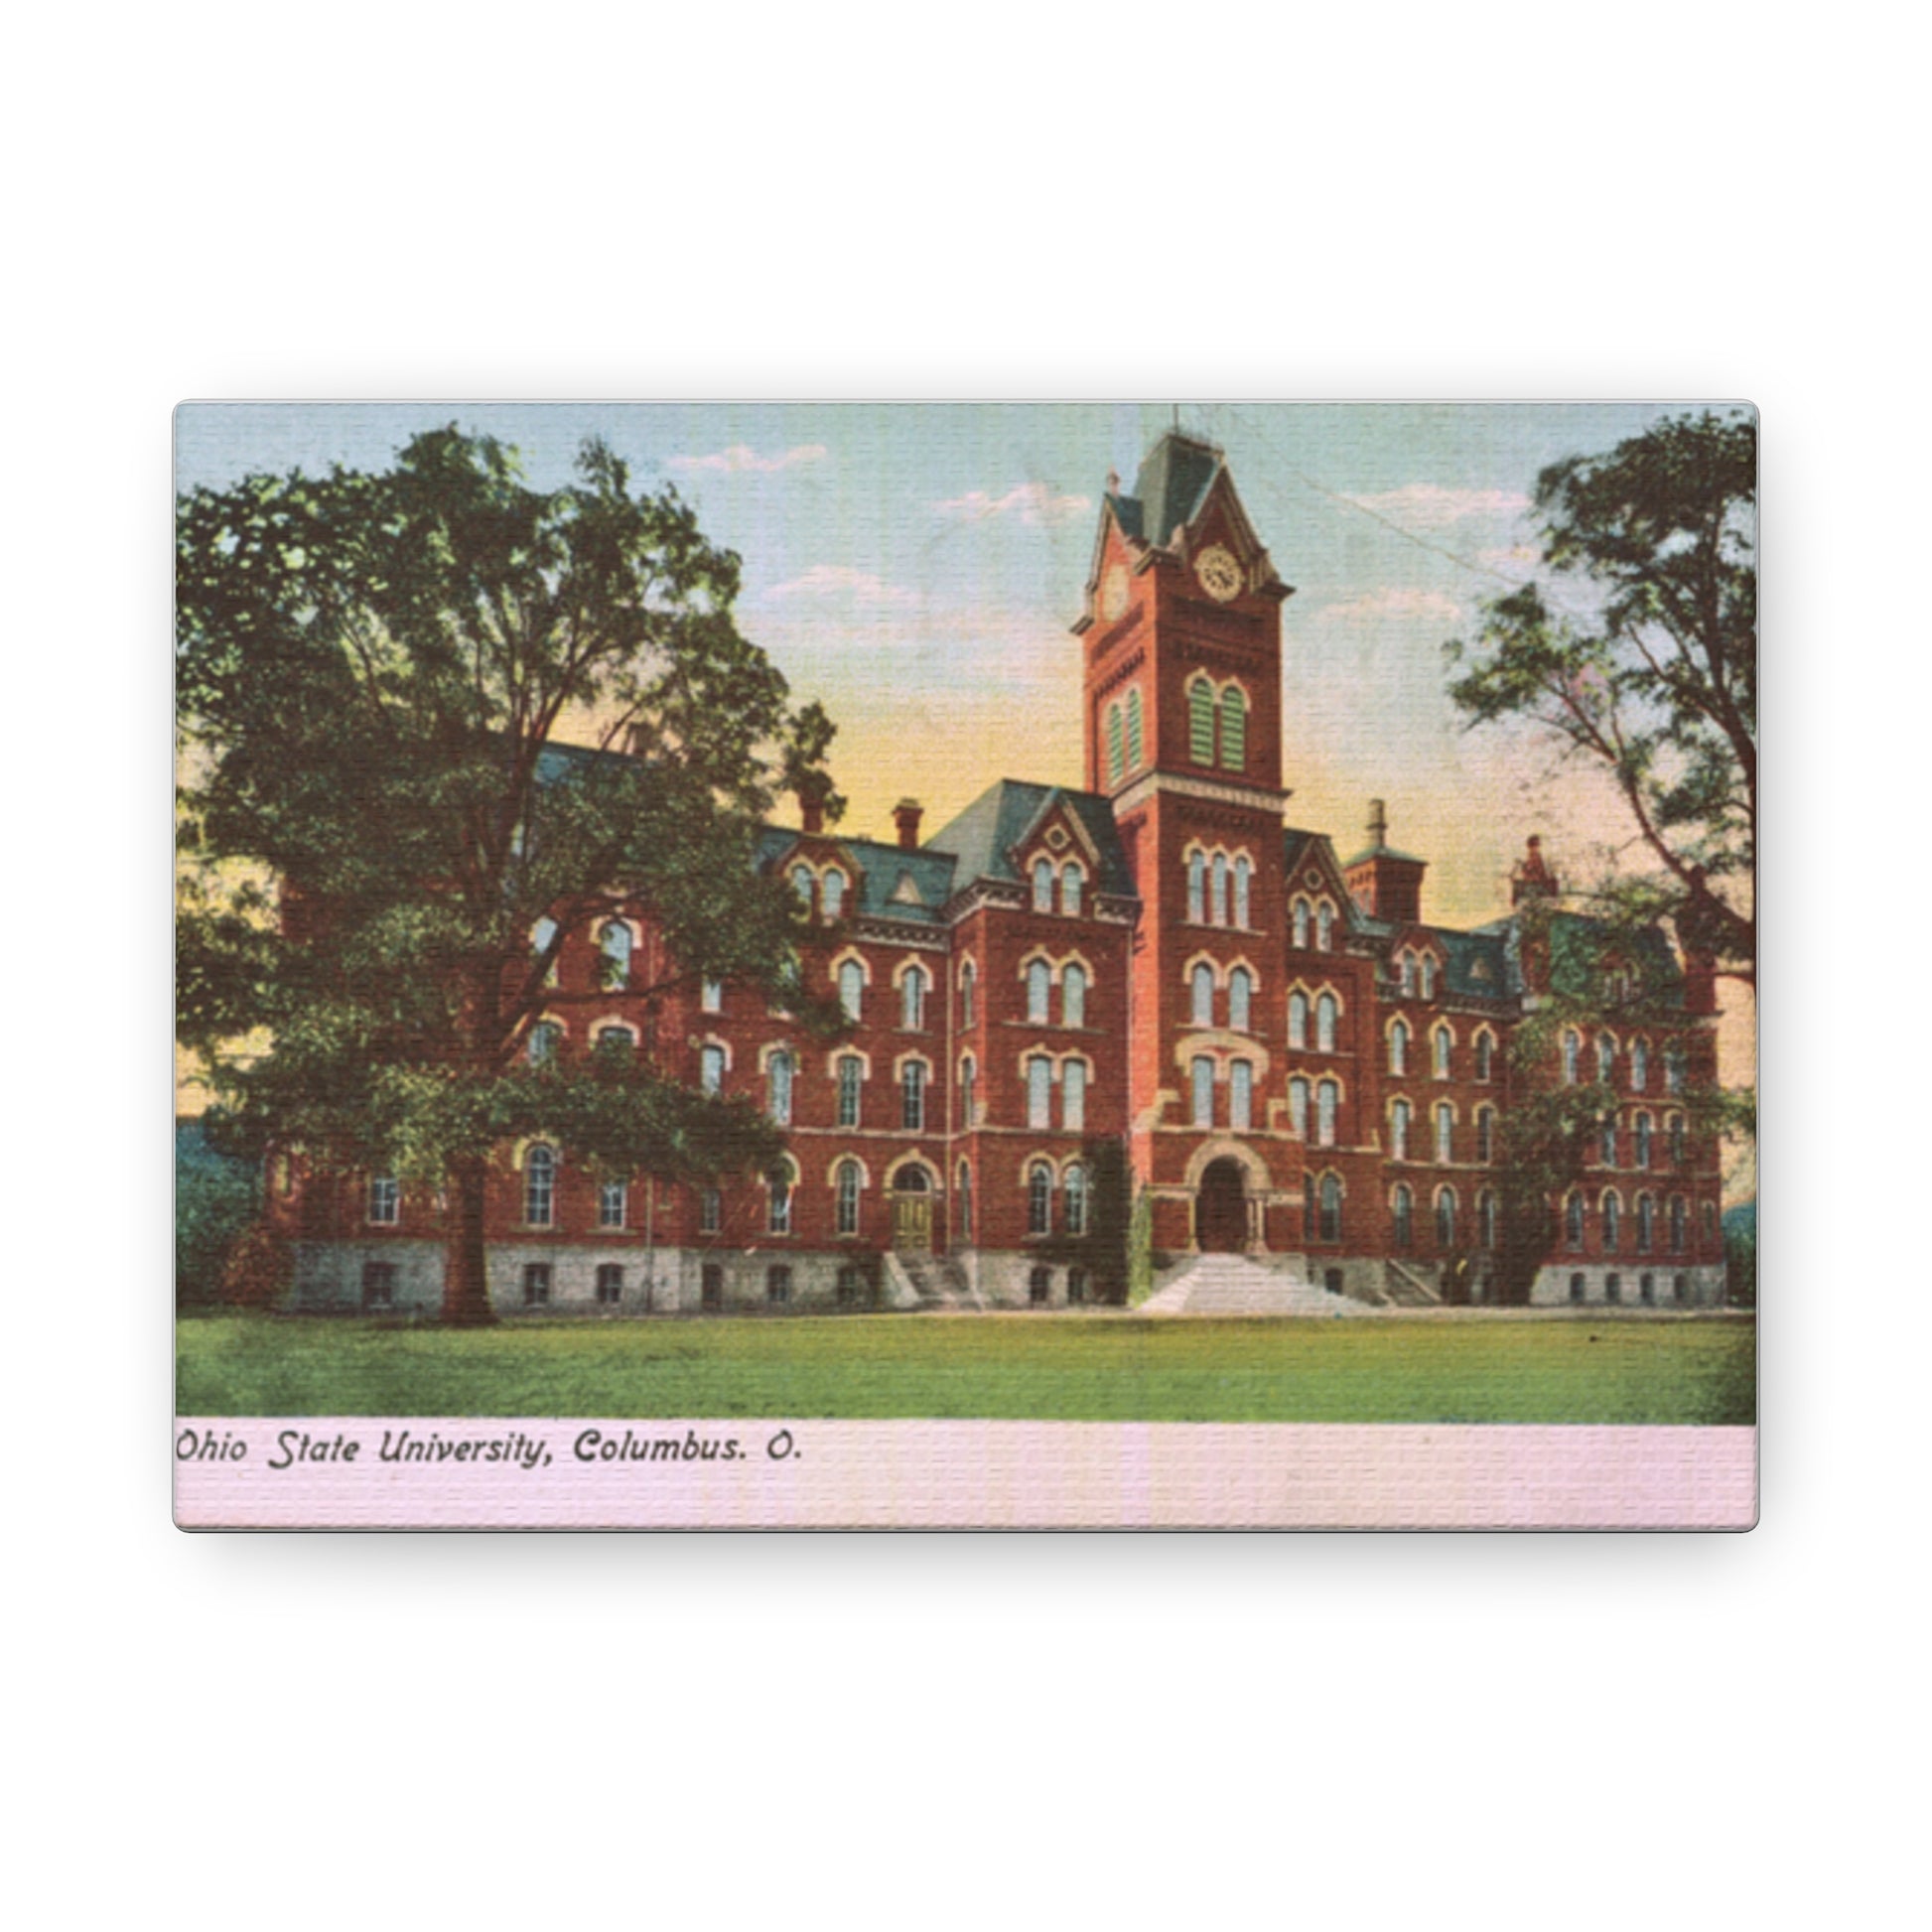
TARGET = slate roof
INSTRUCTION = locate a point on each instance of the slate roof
(884, 871)
(1170, 489)
(982, 836)
(1573, 942)
(1384, 852)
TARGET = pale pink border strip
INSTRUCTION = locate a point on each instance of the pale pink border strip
(977, 1474)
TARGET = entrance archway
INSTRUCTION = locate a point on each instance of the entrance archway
(1222, 1209)
(912, 1209)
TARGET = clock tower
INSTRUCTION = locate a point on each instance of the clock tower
(1182, 694)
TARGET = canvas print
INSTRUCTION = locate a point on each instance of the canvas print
(968, 966)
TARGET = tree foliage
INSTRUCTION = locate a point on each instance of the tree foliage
(376, 673)
(1658, 685)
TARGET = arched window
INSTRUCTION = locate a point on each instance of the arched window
(778, 1073)
(1606, 1058)
(1201, 722)
(912, 999)
(1134, 728)
(1325, 927)
(1427, 975)
(1218, 905)
(1072, 883)
(963, 1195)
(1327, 1010)
(612, 1203)
(1439, 1047)
(1196, 888)
(546, 1036)
(385, 1200)
(1608, 1152)
(1400, 1116)
(1243, 894)
(1612, 1211)
(1639, 1065)
(711, 1070)
(539, 1186)
(1674, 1070)
(912, 1097)
(1486, 1221)
(1241, 987)
(1444, 1134)
(1039, 1199)
(1646, 1223)
(1327, 1103)
(1404, 1216)
(1203, 1095)
(1234, 729)
(778, 1201)
(1075, 1187)
(1039, 983)
(969, 985)
(851, 1074)
(852, 989)
(1241, 1096)
(1330, 1208)
(1114, 745)
(1446, 1218)
(1485, 1134)
(1073, 1097)
(1399, 1047)
(1573, 1048)
(1485, 1056)
(1298, 1106)
(1039, 1091)
(1677, 1140)
(969, 1075)
(1677, 1224)
(1201, 983)
(1407, 974)
(1042, 885)
(831, 892)
(1641, 1151)
(615, 944)
(543, 936)
(848, 1184)
(1297, 1019)
(1299, 918)
(1573, 1221)
(801, 884)
(615, 1041)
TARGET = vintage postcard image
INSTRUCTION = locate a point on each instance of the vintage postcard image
(1040, 965)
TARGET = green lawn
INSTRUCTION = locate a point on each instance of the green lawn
(1073, 1368)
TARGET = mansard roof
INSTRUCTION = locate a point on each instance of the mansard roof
(982, 838)
(892, 883)
(1576, 946)
(1172, 485)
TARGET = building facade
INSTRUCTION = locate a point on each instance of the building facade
(1147, 1016)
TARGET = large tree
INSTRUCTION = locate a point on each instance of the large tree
(376, 673)
(1639, 657)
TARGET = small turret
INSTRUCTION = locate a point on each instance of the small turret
(1532, 878)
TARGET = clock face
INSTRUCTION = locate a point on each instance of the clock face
(1113, 593)
(1219, 574)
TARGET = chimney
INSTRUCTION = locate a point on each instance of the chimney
(905, 815)
(1386, 884)
(1378, 825)
(811, 800)
(1533, 878)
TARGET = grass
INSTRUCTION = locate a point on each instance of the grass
(1073, 1368)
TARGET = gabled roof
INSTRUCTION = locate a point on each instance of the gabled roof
(1172, 485)
(1301, 848)
(982, 838)
(889, 875)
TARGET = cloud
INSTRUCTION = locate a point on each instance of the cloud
(1376, 607)
(1031, 503)
(836, 580)
(741, 457)
(1428, 506)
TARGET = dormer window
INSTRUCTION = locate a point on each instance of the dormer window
(1042, 885)
(801, 884)
(1072, 885)
(832, 895)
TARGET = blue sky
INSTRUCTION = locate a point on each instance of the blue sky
(917, 567)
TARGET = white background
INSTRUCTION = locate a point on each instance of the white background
(1483, 200)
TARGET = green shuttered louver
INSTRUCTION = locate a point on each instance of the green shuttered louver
(1201, 722)
(1234, 730)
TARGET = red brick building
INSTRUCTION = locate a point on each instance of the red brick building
(1147, 1014)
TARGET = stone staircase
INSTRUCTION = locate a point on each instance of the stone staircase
(1240, 1285)
(1405, 1288)
(929, 1281)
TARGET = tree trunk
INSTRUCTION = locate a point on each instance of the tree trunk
(466, 1280)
